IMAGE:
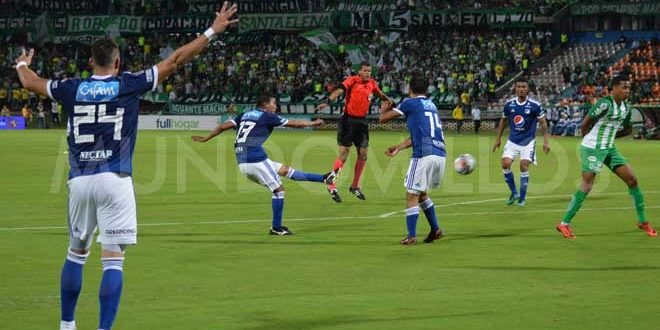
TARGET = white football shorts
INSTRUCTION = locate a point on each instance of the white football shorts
(424, 173)
(513, 151)
(263, 173)
(107, 201)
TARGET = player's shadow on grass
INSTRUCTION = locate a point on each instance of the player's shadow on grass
(346, 320)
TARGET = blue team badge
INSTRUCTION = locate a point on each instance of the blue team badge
(527, 111)
(519, 121)
(97, 91)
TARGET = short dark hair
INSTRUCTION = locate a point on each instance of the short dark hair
(618, 80)
(103, 51)
(264, 99)
(418, 85)
(522, 80)
(365, 63)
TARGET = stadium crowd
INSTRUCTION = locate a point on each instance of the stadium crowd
(468, 62)
(158, 7)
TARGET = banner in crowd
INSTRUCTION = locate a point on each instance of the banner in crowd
(103, 23)
(320, 37)
(177, 24)
(197, 109)
(372, 20)
(177, 123)
(471, 17)
(9, 25)
(283, 21)
(258, 6)
(637, 9)
(14, 122)
(65, 5)
(363, 5)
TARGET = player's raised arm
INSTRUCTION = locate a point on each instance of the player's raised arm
(387, 112)
(29, 79)
(219, 129)
(325, 102)
(304, 123)
(184, 54)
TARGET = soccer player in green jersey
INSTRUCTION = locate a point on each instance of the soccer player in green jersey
(599, 128)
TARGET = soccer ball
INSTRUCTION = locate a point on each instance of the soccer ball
(465, 164)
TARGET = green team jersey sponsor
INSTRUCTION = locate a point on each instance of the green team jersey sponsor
(609, 117)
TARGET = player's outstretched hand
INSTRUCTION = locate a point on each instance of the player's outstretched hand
(26, 56)
(546, 146)
(197, 138)
(496, 145)
(223, 18)
(318, 122)
(392, 151)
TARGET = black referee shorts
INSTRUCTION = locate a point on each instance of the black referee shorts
(353, 131)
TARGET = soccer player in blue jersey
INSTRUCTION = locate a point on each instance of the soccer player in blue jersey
(427, 165)
(522, 113)
(253, 129)
(102, 114)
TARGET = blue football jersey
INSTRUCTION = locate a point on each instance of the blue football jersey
(424, 126)
(522, 118)
(253, 129)
(102, 114)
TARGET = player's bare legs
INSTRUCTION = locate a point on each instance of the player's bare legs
(336, 168)
(524, 181)
(574, 206)
(510, 181)
(359, 169)
(625, 173)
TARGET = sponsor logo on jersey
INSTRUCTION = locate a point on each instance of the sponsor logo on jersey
(519, 121)
(97, 91)
(95, 155)
(592, 158)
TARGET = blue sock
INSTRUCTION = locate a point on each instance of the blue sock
(524, 182)
(71, 283)
(429, 211)
(508, 177)
(278, 209)
(411, 220)
(302, 176)
(110, 292)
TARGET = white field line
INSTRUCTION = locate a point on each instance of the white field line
(516, 210)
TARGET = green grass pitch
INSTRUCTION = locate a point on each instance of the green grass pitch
(204, 259)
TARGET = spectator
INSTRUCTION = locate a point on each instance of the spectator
(41, 116)
(457, 115)
(27, 114)
(476, 117)
(5, 111)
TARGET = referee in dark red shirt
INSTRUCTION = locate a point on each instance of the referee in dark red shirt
(353, 129)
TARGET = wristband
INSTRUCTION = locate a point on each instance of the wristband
(20, 64)
(210, 34)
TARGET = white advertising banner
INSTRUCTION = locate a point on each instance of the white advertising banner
(178, 123)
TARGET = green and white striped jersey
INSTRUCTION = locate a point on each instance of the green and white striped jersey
(609, 118)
